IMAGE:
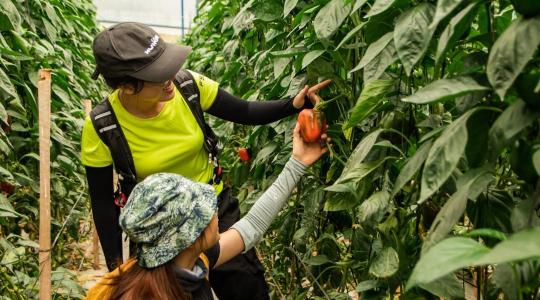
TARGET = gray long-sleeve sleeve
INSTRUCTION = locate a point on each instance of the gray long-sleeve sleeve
(255, 223)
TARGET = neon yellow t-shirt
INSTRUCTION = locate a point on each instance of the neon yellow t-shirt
(170, 142)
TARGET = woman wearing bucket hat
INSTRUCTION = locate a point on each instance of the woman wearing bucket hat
(173, 220)
(162, 135)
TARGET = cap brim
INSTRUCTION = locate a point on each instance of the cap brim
(166, 65)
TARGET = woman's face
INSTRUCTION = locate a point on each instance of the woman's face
(153, 92)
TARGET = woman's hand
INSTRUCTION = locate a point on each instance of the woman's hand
(308, 153)
(311, 93)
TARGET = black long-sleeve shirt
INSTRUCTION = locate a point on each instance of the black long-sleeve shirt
(225, 106)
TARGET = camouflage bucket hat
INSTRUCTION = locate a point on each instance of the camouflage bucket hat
(165, 214)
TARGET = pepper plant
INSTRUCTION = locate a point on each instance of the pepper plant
(431, 188)
(57, 35)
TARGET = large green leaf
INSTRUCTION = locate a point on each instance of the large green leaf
(455, 29)
(376, 67)
(310, 57)
(444, 155)
(520, 246)
(379, 6)
(289, 6)
(444, 258)
(446, 287)
(374, 208)
(330, 18)
(9, 16)
(445, 89)
(511, 52)
(372, 94)
(468, 187)
(6, 209)
(361, 150)
(280, 64)
(412, 34)
(7, 86)
(508, 125)
(373, 50)
(444, 8)
(385, 264)
(412, 166)
(349, 35)
(362, 170)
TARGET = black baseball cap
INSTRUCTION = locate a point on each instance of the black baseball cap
(136, 50)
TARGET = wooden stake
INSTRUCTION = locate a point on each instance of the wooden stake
(95, 238)
(44, 100)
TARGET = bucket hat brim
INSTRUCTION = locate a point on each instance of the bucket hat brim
(170, 245)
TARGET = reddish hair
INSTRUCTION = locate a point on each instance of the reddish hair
(153, 284)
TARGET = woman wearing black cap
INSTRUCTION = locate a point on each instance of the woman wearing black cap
(163, 135)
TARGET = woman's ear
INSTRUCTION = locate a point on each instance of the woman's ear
(128, 89)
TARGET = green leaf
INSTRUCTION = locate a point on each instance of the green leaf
(444, 155)
(385, 264)
(412, 166)
(524, 214)
(6, 209)
(7, 86)
(446, 287)
(289, 6)
(412, 34)
(455, 29)
(445, 89)
(267, 11)
(280, 64)
(486, 232)
(536, 160)
(362, 170)
(511, 52)
(379, 6)
(508, 125)
(451, 212)
(9, 16)
(317, 260)
(372, 94)
(366, 285)
(445, 257)
(361, 151)
(346, 198)
(3, 114)
(330, 18)
(444, 8)
(520, 246)
(376, 67)
(373, 50)
(350, 35)
(374, 208)
(289, 52)
(310, 57)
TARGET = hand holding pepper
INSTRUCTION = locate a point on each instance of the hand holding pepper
(306, 152)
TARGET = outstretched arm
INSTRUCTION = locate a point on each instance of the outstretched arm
(231, 108)
(247, 232)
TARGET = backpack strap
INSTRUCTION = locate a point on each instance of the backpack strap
(186, 84)
(109, 130)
